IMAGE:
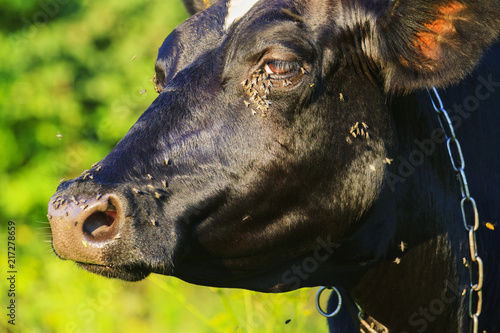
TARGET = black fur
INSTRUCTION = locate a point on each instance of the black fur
(322, 185)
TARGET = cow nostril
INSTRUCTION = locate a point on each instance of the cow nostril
(100, 226)
(83, 226)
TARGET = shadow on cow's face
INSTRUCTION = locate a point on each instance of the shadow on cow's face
(258, 165)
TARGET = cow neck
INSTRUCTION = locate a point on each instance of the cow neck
(400, 282)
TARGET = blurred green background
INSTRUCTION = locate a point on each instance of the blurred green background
(74, 76)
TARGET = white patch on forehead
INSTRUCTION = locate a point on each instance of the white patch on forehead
(236, 9)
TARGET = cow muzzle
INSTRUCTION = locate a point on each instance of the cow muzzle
(83, 226)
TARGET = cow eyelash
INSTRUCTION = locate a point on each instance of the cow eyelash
(282, 69)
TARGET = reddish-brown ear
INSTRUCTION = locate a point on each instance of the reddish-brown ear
(440, 31)
(434, 42)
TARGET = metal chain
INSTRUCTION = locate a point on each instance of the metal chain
(361, 314)
(459, 166)
(318, 305)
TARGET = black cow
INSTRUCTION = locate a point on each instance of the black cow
(293, 145)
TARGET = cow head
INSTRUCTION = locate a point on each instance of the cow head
(268, 143)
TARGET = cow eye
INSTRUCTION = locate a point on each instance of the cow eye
(282, 68)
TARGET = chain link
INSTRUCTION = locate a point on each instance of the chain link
(459, 166)
(318, 304)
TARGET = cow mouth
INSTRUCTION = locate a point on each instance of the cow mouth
(124, 272)
(127, 273)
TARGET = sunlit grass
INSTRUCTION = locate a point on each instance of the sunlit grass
(56, 296)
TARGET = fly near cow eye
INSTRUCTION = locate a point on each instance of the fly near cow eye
(282, 68)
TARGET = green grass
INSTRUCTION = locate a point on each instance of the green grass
(56, 296)
(72, 81)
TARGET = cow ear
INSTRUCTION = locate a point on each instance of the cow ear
(433, 42)
(195, 6)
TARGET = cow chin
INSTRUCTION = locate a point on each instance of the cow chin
(126, 273)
